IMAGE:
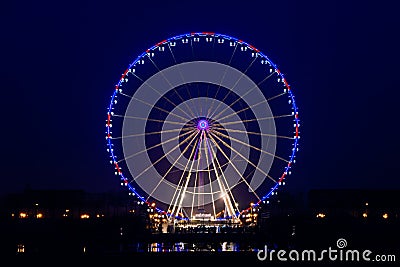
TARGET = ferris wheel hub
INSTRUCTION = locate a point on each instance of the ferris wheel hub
(203, 125)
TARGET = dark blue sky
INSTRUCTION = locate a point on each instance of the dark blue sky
(60, 62)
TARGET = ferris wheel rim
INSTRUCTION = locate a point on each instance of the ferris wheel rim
(178, 37)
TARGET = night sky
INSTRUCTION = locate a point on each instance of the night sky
(61, 60)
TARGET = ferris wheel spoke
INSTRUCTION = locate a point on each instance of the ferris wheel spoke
(175, 196)
(207, 100)
(189, 173)
(240, 111)
(181, 165)
(254, 133)
(163, 96)
(245, 94)
(250, 146)
(201, 106)
(179, 198)
(176, 91)
(194, 187)
(153, 106)
(170, 168)
(251, 120)
(153, 120)
(233, 159)
(247, 177)
(266, 78)
(193, 196)
(182, 77)
(209, 179)
(217, 175)
(234, 167)
(243, 157)
(249, 107)
(153, 133)
(236, 83)
(226, 192)
(164, 156)
(222, 79)
(276, 96)
(157, 145)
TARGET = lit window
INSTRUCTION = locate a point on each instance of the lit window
(385, 216)
(365, 215)
(23, 215)
(20, 248)
(39, 215)
(321, 215)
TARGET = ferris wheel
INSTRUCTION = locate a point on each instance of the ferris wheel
(202, 124)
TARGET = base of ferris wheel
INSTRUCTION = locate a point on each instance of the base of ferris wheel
(203, 222)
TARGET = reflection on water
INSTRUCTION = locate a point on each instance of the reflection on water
(186, 247)
(230, 246)
(142, 247)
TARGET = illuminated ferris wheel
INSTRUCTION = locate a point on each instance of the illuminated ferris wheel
(202, 124)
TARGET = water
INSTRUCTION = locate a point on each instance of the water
(198, 246)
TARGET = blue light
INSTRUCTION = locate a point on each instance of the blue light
(202, 125)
